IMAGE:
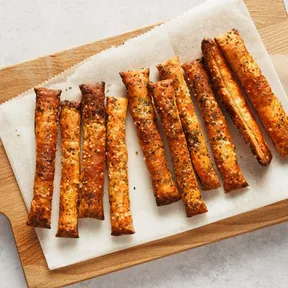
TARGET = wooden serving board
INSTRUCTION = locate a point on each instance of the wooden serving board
(272, 23)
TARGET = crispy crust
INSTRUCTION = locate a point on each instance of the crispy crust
(93, 151)
(216, 126)
(70, 160)
(46, 130)
(117, 159)
(232, 98)
(259, 91)
(165, 102)
(144, 117)
(190, 123)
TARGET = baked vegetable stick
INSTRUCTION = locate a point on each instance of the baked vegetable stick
(216, 125)
(144, 117)
(232, 98)
(117, 158)
(70, 161)
(46, 130)
(259, 92)
(190, 123)
(93, 151)
(164, 98)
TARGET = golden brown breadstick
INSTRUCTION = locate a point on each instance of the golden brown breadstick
(259, 91)
(144, 117)
(190, 123)
(164, 98)
(46, 131)
(233, 100)
(117, 159)
(93, 151)
(70, 161)
(216, 126)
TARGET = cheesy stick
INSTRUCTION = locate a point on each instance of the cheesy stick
(233, 100)
(93, 151)
(46, 130)
(191, 126)
(150, 141)
(117, 159)
(70, 161)
(164, 98)
(216, 126)
(258, 90)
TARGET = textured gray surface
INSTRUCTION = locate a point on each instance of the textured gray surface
(286, 5)
(32, 28)
(258, 259)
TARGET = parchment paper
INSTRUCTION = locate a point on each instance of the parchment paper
(181, 36)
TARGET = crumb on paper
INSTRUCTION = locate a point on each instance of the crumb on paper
(136, 152)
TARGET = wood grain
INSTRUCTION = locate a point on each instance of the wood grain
(272, 22)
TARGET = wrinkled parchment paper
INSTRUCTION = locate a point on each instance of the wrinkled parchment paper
(181, 36)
